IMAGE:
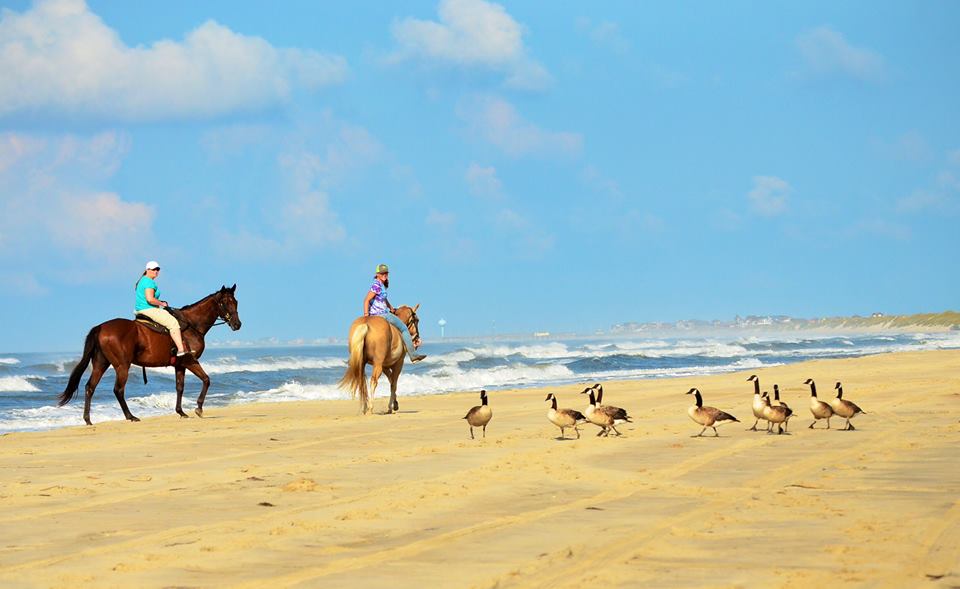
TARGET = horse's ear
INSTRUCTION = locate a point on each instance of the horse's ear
(417, 307)
(234, 287)
(223, 287)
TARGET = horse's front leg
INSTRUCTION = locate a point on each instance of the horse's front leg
(198, 371)
(394, 376)
(118, 390)
(180, 373)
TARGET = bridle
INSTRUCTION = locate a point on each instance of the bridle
(222, 314)
(414, 321)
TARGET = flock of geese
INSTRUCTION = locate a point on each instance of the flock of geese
(608, 417)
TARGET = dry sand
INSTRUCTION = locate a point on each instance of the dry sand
(312, 494)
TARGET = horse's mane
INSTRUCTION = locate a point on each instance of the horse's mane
(191, 305)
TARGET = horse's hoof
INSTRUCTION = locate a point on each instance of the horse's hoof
(198, 411)
(183, 415)
(133, 418)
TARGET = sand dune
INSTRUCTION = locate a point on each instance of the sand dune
(312, 494)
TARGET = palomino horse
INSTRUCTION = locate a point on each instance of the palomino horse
(374, 341)
(122, 342)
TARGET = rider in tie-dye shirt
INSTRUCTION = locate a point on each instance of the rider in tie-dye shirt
(377, 304)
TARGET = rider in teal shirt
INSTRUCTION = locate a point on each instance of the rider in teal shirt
(143, 284)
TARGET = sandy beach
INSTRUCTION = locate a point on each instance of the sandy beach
(312, 494)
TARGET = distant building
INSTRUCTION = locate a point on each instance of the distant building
(878, 314)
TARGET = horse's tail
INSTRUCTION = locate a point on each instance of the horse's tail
(353, 377)
(89, 348)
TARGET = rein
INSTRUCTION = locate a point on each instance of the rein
(223, 316)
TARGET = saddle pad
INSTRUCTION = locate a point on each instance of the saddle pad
(151, 324)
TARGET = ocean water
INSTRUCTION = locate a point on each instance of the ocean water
(30, 383)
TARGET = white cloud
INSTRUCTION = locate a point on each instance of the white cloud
(441, 219)
(604, 33)
(483, 181)
(881, 228)
(953, 158)
(308, 220)
(59, 57)
(100, 223)
(530, 242)
(52, 195)
(21, 284)
(769, 195)
(827, 53)
(911, 146)
(595, 180)
(471, 34)
(943, 196)
(498, 122)
(313, 161)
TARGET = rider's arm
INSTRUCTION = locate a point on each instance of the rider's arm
(389, 306)
(148, 294)
(366, 303)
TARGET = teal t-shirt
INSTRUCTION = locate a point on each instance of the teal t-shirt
(143, 284)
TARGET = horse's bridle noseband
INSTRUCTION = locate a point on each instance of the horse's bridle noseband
(224, 314)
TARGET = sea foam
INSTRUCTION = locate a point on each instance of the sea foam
(18, 384)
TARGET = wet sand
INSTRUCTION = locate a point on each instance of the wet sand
(312, 494)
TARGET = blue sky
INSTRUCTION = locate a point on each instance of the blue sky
(521, 166)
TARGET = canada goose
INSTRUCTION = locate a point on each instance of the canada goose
(844, 408)
(758, 403)
(776, 397)
(819, 409)
(480, 415)
(707, 416)
(599, 388)
(774, 414)
(606, 417)
(564, 418)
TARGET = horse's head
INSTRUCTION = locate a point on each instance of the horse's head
(409, 317)
(227, 306)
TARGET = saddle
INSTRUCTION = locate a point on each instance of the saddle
(153, 325)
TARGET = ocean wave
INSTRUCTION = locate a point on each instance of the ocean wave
(673, 372)
(18, 384)
(51, 417)
(296, 391)
(273, 365)
(548, 351)
(9, 361)
(230, 365)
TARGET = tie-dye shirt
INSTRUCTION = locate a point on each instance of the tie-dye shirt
(378, 305)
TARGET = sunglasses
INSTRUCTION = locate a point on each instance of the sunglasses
(157, 269)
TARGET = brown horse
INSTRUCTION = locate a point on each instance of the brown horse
(122, 342)
(374, 341)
